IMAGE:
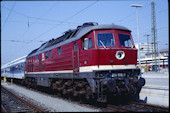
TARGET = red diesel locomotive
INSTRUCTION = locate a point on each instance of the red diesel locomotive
(91, 61)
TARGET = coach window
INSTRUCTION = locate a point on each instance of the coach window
(75, 46)
(50, 54)
(46, 55)
(19, 67)
(16, 67)
(11, 69)
(59, 51)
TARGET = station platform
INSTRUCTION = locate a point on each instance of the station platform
(155, 74)
(156, 89)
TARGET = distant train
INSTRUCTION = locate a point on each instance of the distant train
(91, 61)
(14, 69)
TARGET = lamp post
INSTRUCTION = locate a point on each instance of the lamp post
(134, 5)
(158, 56)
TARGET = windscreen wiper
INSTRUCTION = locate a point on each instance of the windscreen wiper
(102, 44)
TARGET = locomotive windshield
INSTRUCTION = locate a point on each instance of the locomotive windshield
(105, 39)
(125, 40)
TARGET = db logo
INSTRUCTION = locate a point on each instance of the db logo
(120, 55)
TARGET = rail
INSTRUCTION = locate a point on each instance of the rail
(118, 108)
(136, 107)
(3, 109)
(148, 106)
(37, 109)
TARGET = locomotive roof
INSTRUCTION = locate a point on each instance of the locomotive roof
(72, 35)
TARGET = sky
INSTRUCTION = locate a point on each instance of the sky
(25, 25)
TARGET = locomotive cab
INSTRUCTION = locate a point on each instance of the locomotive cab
(112, 56)
(105, 47)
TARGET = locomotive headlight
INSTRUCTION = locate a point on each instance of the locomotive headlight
(120, 55)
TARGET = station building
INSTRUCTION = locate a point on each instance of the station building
(149, 62)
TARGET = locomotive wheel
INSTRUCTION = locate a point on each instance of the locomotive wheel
(72, 89)
(132, 89)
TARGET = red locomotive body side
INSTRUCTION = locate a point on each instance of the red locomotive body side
(72, 61)
(55, 62)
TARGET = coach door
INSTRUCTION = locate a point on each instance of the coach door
(75, 58)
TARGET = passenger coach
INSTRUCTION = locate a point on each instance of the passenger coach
(14, 69)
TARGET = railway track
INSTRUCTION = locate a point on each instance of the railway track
(3, 109)
(128, 107)
(152, 108)
(136, 107)
(10, 102)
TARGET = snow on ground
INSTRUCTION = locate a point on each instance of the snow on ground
(53, 103)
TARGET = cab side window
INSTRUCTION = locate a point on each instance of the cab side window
(75, 46)
(46, 55)
(50, 54)
(59, 51)
(87, 43)
(37, 57)
(90, 44)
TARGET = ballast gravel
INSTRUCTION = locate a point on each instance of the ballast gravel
(53, 104)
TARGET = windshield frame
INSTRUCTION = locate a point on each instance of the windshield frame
(132, 44)
(104, 32)
(115, 33)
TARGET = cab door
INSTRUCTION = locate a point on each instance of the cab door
(75, 58)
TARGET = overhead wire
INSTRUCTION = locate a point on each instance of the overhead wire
(58, 24)
(36, 18)
(21, 41)
(125, 18)
(28, 22)
(14, 21)
(65, 21)
(62, 22)
(8, 15)
(47, 11)
(147, 15)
